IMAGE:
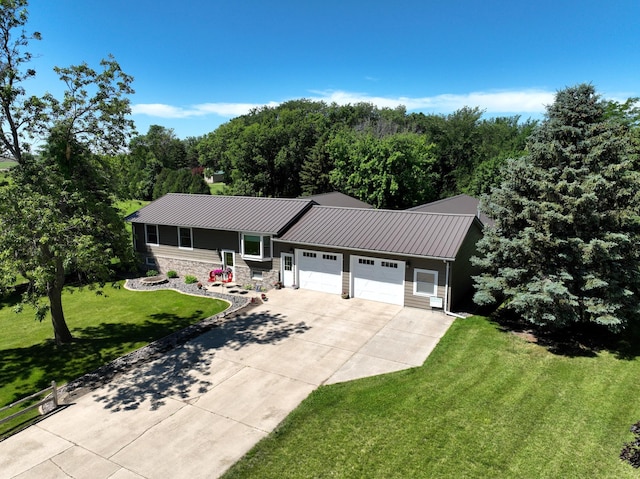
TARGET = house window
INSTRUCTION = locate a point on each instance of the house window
(370, 262)
(425, 282)
(150, 261)
(308, 254)
(389, 264)
(331, 257)
(151, 234)
(185, 238)
(256, 275)
(256, 246)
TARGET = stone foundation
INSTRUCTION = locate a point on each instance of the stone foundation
(244, 275)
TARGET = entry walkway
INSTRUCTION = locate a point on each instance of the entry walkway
(200, 408)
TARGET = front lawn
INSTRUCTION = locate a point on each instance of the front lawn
(485, 404)
(104, 326)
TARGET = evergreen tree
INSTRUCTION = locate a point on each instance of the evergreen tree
(564, 248)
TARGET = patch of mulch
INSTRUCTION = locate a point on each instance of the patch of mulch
(578, 340)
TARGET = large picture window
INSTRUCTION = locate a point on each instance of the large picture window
(151, 234)
(255, 246)
(425, 282)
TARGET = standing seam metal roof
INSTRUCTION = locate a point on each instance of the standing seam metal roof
(459, 204)
(435, 235)
(227, 213)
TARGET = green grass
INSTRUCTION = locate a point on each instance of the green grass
(104, 327)
(485, 404)
(129, 206)
(217, 188)
(4, 164)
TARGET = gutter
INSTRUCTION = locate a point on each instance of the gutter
(446, 294)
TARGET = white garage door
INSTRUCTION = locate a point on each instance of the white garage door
(378, 279)
(320, 271)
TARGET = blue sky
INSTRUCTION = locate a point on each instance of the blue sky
(199, 63)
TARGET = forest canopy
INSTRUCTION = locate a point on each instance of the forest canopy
(383, 156)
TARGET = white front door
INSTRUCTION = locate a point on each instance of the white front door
(287, 271)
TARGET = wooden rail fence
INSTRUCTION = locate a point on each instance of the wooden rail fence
(53, 398)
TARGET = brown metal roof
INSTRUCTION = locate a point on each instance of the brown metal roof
(335, 198)
(228, 213)
(459, 204)
(434, 235)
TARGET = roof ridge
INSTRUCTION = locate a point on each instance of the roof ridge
(204, 195)
(392, 211)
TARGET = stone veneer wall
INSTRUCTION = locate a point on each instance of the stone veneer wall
(201, 270)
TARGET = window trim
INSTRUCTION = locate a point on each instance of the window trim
(416, 271)
(263, 239)
(146, 235)
(180, 228)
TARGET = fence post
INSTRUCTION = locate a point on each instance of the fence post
(55, 394)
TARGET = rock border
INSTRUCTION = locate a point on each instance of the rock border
(93, 380)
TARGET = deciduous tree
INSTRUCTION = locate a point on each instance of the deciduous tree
(57, 215)
(394, 172)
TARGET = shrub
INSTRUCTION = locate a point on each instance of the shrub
(189, 279)
(152, 272)
(172, 274)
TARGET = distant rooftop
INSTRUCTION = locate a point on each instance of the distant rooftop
(459, 204)
(335, 198)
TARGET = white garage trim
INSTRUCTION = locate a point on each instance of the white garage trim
(319, 270)
(378, 279)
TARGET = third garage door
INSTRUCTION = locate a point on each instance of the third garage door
(378, 279)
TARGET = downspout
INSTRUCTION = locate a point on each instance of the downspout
(446, 294)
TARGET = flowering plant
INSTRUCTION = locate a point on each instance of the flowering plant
(217, 272)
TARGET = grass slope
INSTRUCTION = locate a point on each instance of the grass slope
(104, 327)
(5, 164)
(485, 404)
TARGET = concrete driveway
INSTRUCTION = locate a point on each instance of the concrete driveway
(200, 408)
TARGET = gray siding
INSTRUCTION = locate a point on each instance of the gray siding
(410, 299)
(205, 242)
(462, 270)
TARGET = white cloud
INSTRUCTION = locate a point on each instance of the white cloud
(508, 102)
(163, 111)
(525, 101)
(229, 110)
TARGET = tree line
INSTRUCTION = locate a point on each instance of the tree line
(383, 156)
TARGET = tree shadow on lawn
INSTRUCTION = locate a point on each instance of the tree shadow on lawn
(92, 347)
(579, 340)
(183, 372)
